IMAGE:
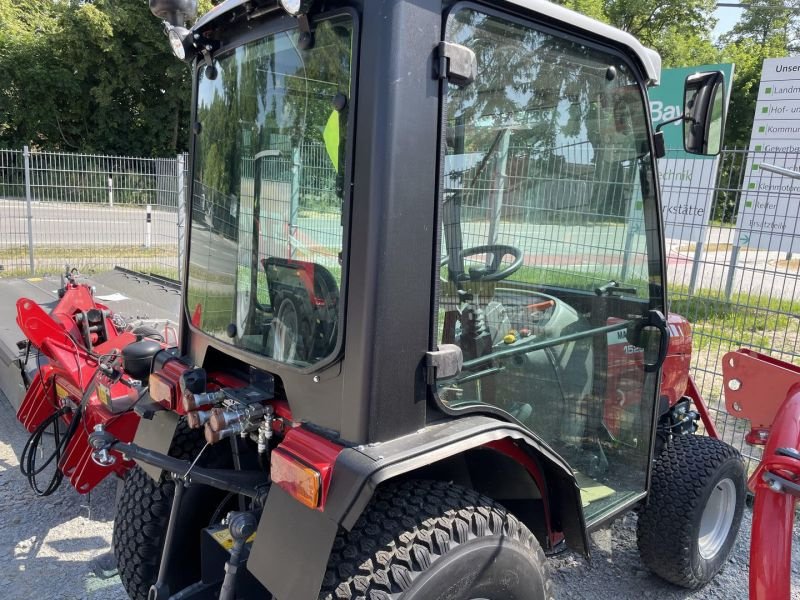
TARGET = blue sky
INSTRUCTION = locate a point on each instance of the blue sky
(726, 18)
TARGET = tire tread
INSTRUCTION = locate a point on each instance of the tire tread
(405, 529)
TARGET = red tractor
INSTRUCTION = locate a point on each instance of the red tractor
(422, 339)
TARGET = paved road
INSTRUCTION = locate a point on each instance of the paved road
(65, 224)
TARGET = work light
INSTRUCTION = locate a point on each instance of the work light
(296, 7)
(178, 40)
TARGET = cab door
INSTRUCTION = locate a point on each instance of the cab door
(551, 277)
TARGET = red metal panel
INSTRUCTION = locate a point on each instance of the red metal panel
(755, 387)
(700, 404)
(510, 449)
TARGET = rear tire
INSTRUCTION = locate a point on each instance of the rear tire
(143, 510)
(697, 495)
(430, 540)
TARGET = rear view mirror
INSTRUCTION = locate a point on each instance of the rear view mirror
(704, 113)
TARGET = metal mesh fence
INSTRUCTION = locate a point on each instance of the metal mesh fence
(736, 293)
(737, 289)
(14, 241)
(91, 211)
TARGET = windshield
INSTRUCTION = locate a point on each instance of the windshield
(266, 230)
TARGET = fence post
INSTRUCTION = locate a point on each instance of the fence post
(294, 203)
(148, 236)
(698, 252)
(731, 271)
(497, 195)
(110, 191)
(27, 155)
(180, 166)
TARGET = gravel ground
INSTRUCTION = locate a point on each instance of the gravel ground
(48, 546)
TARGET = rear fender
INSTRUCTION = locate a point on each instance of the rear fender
(293, 543)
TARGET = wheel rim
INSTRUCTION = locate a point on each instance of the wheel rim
(715, 524)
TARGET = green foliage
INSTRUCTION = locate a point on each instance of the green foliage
(765, 31)
(91, 77)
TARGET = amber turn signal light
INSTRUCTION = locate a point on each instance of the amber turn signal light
(303, 483)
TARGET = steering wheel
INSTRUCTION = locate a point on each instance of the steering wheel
(492, 272)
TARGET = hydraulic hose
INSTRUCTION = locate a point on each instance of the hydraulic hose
(27, 463)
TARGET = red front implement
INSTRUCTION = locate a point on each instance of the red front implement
(77, 381)
(766, 391)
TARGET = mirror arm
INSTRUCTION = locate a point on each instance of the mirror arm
(681, 118)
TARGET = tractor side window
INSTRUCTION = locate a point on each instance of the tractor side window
(266, 232)
(550, 257)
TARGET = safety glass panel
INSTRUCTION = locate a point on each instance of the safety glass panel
(266, 230)
(550, 261)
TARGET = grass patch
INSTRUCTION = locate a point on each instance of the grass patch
(740, 316)
(76, 252)
(722, 224)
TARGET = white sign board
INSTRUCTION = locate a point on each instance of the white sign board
(768, 209)
(686, 196)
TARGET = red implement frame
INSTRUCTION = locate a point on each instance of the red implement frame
(766, 391)
(64, 378)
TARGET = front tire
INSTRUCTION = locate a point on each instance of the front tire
(430, 540)
(697, 495)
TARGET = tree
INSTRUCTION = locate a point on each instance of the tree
(93, 77)
(766, 30)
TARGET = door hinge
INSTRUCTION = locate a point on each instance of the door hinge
(456, 63)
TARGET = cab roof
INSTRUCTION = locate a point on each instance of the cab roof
(649, 59)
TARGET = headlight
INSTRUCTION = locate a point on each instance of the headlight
(178, 38)
(296, 7)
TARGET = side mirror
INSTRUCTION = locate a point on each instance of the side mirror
(704, 113)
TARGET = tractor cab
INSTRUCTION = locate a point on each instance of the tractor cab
(425, 274)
